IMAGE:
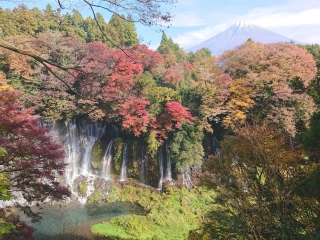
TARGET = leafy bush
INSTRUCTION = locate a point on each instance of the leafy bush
(96, 196)
(82, 189)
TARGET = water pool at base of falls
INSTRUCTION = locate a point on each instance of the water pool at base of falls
(74, 221)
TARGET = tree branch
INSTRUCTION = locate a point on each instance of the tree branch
(35, 57)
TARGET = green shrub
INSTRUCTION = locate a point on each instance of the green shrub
(82, 189)
(117, 159)
(95, 197)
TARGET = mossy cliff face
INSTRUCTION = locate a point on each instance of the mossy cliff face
(133, 170)
(117, 159)
(97, 155)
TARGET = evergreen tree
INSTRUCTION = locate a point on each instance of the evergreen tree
(94, 33)
(131, 36)
(125, 32)
(167, 46)
(50, 18)
(74, 25)
(118, 24)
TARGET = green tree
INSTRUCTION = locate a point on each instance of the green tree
(73, 25)
(24, 20)
(186, 148)
(131, 36)
(167, 46)
(51, 19)
(118, 24)
(125, 32)
(98, 30)
(5, 186)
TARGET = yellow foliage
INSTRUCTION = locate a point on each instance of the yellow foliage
(3, 82)
(239, 116)
(164, 94)
(6, 87)
(153, 144)
(240, 102)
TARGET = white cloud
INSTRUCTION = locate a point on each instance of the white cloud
(192, 38)
(283, 18)
(303, 33)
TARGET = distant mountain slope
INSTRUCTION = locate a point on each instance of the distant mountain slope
(236, 35)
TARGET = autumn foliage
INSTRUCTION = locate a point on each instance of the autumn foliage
(31, 164)
(270, 79)
(175, 114)
(263, 179)
(33, 160)
(64, 69)
(135, 116)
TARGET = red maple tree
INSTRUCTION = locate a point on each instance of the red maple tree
(33, 160)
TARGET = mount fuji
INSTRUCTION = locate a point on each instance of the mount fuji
(238, 34)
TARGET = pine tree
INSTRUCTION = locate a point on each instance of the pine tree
(167, 46)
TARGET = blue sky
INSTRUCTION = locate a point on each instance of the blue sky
(198, 20)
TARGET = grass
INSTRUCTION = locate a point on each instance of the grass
(171, 215)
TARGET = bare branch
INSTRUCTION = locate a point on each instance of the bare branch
(60, 79)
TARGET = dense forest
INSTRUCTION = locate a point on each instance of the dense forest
(260, 101)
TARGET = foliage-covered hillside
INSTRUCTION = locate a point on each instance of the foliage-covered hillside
(264, 97)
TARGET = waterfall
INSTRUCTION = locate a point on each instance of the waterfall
(78, 137)
(106, 161)
(215, 146)
(168, 170)
(124, 173)
(160, 163)
(72, 148)
(186, 173)
(115, 131)
(142, 166)
(89, 134)
(186, 178)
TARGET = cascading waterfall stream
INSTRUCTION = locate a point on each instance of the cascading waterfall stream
(78, 137)
(89, 134)
(186, 178)
(87, 143)
(106, 161)
(168, 170)
(114, 131)
(142, 166)
(160, 163)
(124, 172)
(72, 152)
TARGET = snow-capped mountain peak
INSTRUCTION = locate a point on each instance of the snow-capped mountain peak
(236, 35)
(243, 24)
